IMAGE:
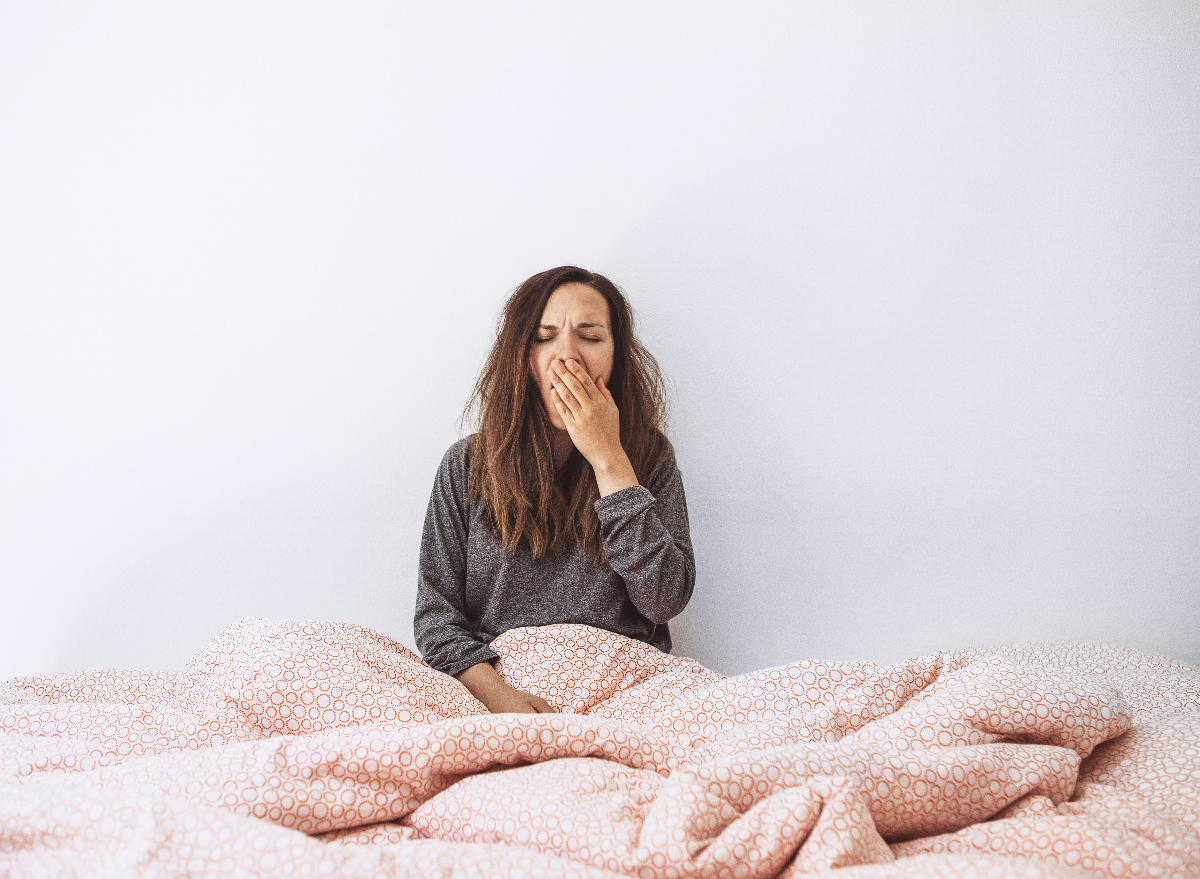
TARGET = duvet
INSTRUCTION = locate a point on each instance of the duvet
(326, 749)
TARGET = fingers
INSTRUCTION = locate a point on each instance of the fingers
(568, 405)
(579, 375)
(571, 376)
(564, 412)
(532, 704)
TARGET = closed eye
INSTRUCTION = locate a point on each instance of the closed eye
(585, 338)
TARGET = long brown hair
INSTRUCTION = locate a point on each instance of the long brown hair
(512, 459)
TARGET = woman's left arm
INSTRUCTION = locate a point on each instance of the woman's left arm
(648, 542)
(644, 530)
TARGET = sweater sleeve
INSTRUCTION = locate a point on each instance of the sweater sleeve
(445, 637)
(648, 543)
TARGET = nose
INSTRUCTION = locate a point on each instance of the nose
(567, 349)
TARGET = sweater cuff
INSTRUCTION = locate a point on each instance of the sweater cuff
(482, 653)
(624, 504)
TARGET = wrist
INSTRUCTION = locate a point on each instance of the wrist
(614, 473)
(612, 464)
(483, 682)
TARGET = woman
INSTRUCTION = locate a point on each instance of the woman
(567, 505)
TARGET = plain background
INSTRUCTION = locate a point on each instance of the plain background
(924, 278)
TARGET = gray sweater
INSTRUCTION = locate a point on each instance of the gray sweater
(469, 590)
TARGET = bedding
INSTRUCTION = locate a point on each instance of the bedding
(327, 749)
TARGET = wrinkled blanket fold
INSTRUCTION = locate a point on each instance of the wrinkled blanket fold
(327, 749)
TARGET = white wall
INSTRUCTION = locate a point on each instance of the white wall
(925, 279)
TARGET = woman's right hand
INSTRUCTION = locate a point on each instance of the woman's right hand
(512, 699)
(490, 689)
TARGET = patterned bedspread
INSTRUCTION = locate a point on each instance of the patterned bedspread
(326, 749)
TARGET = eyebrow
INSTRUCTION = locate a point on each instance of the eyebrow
(581, 326)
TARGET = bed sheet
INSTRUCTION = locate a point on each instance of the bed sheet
(319, 748)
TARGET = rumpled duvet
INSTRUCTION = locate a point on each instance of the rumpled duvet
(326, 749)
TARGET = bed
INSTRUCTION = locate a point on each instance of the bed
(326, 749)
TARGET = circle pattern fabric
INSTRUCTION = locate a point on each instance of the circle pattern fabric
(315, 748)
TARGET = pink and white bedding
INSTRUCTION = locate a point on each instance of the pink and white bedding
(326, 749)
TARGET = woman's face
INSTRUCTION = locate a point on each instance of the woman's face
(574, 326)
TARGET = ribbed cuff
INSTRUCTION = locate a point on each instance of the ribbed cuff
(482, 653)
